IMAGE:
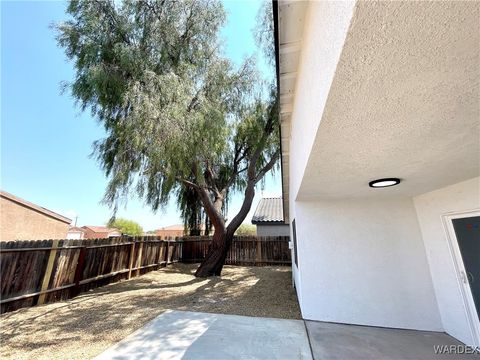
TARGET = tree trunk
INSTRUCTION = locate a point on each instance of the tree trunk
(216, 255)
(223, 237)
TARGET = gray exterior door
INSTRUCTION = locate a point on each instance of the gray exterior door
(467, 231)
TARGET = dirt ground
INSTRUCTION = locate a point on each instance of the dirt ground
(83, 327)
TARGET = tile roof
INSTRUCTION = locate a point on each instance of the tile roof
(76, 229)
(37, 208)
(268, 210)
(100, 229)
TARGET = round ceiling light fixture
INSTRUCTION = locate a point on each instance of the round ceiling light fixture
(380, 183)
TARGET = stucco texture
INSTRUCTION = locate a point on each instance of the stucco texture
(403, 101)
(383, 89)
(18, 222)
(273, 230)
(430, 208)
(363, 262)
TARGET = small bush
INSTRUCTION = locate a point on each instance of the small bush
(246, 229)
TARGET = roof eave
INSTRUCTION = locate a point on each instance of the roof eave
(277, 70)
(279, 222)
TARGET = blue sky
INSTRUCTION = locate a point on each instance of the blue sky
(46, 140)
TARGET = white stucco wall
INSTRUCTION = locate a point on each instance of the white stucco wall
(363, 262)
(273, 230)
(430, 207)
(326, 27)
(376, 261)
(75, 235)
(296, 274)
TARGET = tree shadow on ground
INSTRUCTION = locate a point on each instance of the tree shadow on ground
(86, 325)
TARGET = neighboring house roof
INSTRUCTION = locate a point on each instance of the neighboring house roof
(269, 210)
(76, 229)
(100, 229)
(173, 227)
(34, 207)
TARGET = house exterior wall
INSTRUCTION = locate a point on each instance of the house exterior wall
(273, 230)
(90, 234)
(328, 21)
(380, 261)
(18, 222)
(363, 262)
(75, 235)
(296, 274)
(430, 207)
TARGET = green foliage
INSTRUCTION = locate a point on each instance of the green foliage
(264, 31)
(191, 211)
(127, 227)
(246, 229)
(175, 111)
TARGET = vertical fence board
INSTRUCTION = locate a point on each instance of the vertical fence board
(48, 272)
(130, 261)
(79, 270)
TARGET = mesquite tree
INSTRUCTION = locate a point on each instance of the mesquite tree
(176, 112)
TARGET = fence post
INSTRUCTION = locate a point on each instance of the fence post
(166, 252)
(79, 271)
(258, 257)
(180, 252)
(130, 260)
(175, 250)
(48, 271)
(139, 258)
(159, 255)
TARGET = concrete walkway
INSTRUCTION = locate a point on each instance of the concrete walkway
(339, 342)
(193, 335)
(204, 336)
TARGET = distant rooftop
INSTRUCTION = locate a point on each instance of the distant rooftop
(268, 210)
(99, 229)
(76, 229)
(35, 207)
(178, 227)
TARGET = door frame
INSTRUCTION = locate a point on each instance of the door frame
(460, 272)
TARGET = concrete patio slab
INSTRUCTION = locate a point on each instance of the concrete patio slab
(331, 341)
(194, 335)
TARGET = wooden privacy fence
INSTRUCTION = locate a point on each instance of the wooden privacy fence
(245, 250)
(37, 272)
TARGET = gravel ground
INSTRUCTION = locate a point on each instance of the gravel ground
(83, 327)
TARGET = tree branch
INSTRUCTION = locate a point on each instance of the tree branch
(252, 177)
(238, 157)
(187, 182)
(246, 205)
(268, 166)
(250, 193)
(211, 209)
(211, 178)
